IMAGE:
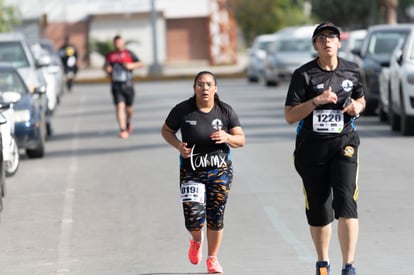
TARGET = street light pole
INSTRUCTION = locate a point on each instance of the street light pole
(155, 68)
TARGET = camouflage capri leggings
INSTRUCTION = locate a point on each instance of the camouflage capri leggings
(217, 186)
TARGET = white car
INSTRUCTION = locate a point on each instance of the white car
(257, 55)
(10, 149)
(52, 70)
(384, 93)
(401, 97)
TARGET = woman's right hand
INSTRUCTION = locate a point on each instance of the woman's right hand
(326, 97)
(184, 151)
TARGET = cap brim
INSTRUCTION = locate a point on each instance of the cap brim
(327, 28)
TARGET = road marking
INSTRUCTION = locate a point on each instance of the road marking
(301, 249)
(63, 259)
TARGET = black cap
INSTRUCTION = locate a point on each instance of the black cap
(326, 26)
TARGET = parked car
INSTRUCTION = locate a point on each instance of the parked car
(28, 115)
(384, 94)
(256, 56)
(351, 41)
(401, 92)
(2, 174)
(292, 48)
(374, 55)
(51, 65)
(15, 50)
(10, 150)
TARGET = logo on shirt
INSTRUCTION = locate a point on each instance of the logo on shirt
(213, 159)
(347, 85)
(320, 87)
(217, 124)
(191, 122)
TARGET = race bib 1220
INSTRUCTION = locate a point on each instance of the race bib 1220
(328, 121)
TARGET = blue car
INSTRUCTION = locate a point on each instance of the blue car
(29, 116)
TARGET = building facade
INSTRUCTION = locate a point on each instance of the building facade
(186, 30)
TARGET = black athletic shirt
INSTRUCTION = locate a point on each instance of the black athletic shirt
(196, 126)
(310, 80)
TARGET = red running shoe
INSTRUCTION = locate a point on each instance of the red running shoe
(195, 252)
(213, 266)
(123, 134)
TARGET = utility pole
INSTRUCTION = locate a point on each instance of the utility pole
(155, 69)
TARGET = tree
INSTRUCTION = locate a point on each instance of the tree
(359, 14)
(9, 17)
(267, 16)
(346, 14)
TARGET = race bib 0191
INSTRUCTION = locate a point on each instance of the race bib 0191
(328, 121)
(192, 192)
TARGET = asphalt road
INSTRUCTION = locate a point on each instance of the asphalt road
(99, 205)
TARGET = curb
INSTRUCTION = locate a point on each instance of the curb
(92, 80)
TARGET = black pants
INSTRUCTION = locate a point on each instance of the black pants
(329, 171)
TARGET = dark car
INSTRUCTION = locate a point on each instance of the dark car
(374, 55)
(29, 117)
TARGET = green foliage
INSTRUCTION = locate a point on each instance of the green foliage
(104, 47)
(346, 14)
(267, 16)
(256, 17)
(9, 17)
(101, 47)
(403, 11)
(358, 14)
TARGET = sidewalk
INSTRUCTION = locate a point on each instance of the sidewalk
(176, 71)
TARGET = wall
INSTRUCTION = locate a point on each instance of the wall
(78, 35)
(133, 27)
(187, 40)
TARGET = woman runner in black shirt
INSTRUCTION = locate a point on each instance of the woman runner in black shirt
(209, 127)
(325, 96)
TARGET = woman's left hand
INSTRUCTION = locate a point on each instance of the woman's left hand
(220, 137)
(354, 108)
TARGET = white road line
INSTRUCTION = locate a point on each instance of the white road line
(63, 259)
(301, 249)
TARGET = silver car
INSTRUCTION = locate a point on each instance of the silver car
(15, 50)
(257, 55)
(401, 92)
(52, 70)
(292, 49)
(373, 56)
